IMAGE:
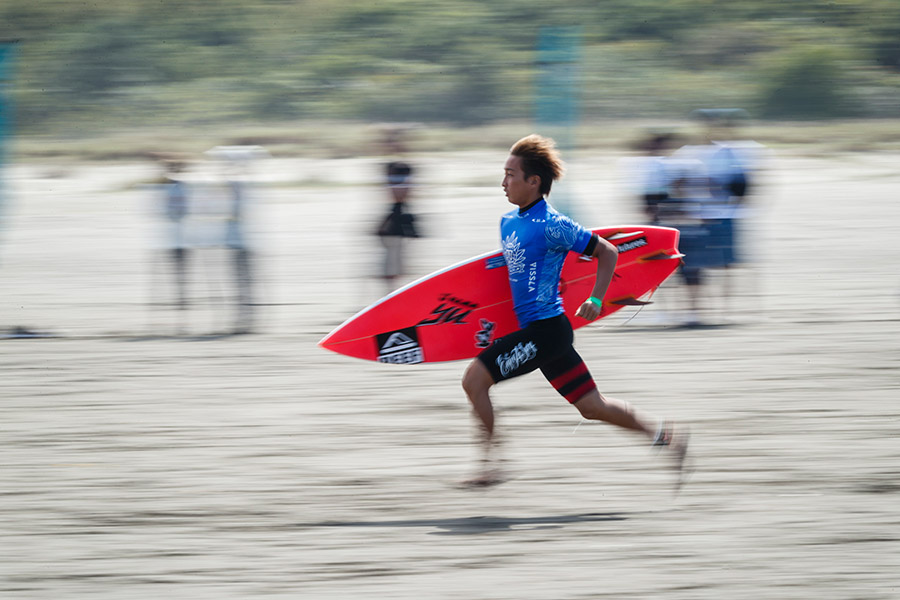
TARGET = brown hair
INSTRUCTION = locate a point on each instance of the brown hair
(539, 157)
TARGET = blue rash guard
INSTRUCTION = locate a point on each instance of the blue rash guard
(535, 243)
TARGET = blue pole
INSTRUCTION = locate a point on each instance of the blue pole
(7, 56)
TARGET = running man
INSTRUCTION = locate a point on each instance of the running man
(536, 240)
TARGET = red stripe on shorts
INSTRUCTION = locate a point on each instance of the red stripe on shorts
(580, 391)
(569, 376)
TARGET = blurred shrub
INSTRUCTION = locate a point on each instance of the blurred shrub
(276, 101)
(724, 44)
(462, 61)
(805, 83)
(628, 19)
(103, 55)
(462, 95)
(885, 35)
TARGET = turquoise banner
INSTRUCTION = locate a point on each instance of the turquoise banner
(556, 111)
(7, 56)
(558, 56)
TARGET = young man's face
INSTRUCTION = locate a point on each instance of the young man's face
(519, 190)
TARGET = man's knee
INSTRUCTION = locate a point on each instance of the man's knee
(476, 378)
(591, 405)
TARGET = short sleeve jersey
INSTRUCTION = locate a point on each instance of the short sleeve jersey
(535, 243)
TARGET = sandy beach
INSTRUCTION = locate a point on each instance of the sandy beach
(142, 462)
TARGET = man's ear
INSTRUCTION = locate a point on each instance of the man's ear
(535, 180)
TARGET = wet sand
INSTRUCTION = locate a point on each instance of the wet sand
(137, 463)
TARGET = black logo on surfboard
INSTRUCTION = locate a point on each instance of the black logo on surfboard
(399, 347)
(632, 245)
(450, 310)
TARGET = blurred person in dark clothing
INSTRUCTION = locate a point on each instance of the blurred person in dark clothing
(682, 209)
(399, 223)
(654, 177)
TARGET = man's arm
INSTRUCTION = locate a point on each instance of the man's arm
(606, 255)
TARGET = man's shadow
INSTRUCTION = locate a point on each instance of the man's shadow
(484, 524)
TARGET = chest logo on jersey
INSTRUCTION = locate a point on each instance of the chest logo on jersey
(450, 310)
(514, 254)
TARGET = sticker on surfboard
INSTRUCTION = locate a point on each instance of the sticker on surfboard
(399, 347)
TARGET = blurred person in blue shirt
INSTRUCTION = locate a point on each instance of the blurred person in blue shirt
(727, 169)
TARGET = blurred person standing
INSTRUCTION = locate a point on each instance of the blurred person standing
(672, 189)
(236, 242)
(727, 178)
(682, 209)
(536, 240)
(235, 169)
(653, 175)
(647, 178)
(175, 212)
(398, 224)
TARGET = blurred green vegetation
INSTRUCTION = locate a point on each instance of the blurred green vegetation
(86, 68)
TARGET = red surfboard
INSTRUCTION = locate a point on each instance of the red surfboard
(456, 312)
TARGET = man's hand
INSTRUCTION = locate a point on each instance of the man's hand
(606, 255)
(588, 310)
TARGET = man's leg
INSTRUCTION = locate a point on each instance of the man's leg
(510, 356)
(570, 377)
(179, 260)
(477, 382)
(243, 276)
(595, 407)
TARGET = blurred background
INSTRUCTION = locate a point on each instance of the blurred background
(274, 71)
(192, 194)
(153, 89)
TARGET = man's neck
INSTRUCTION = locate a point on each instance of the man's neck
(529, 206)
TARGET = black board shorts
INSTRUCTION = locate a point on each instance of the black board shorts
(544, 344)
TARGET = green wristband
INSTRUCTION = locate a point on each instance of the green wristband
(597, 301)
